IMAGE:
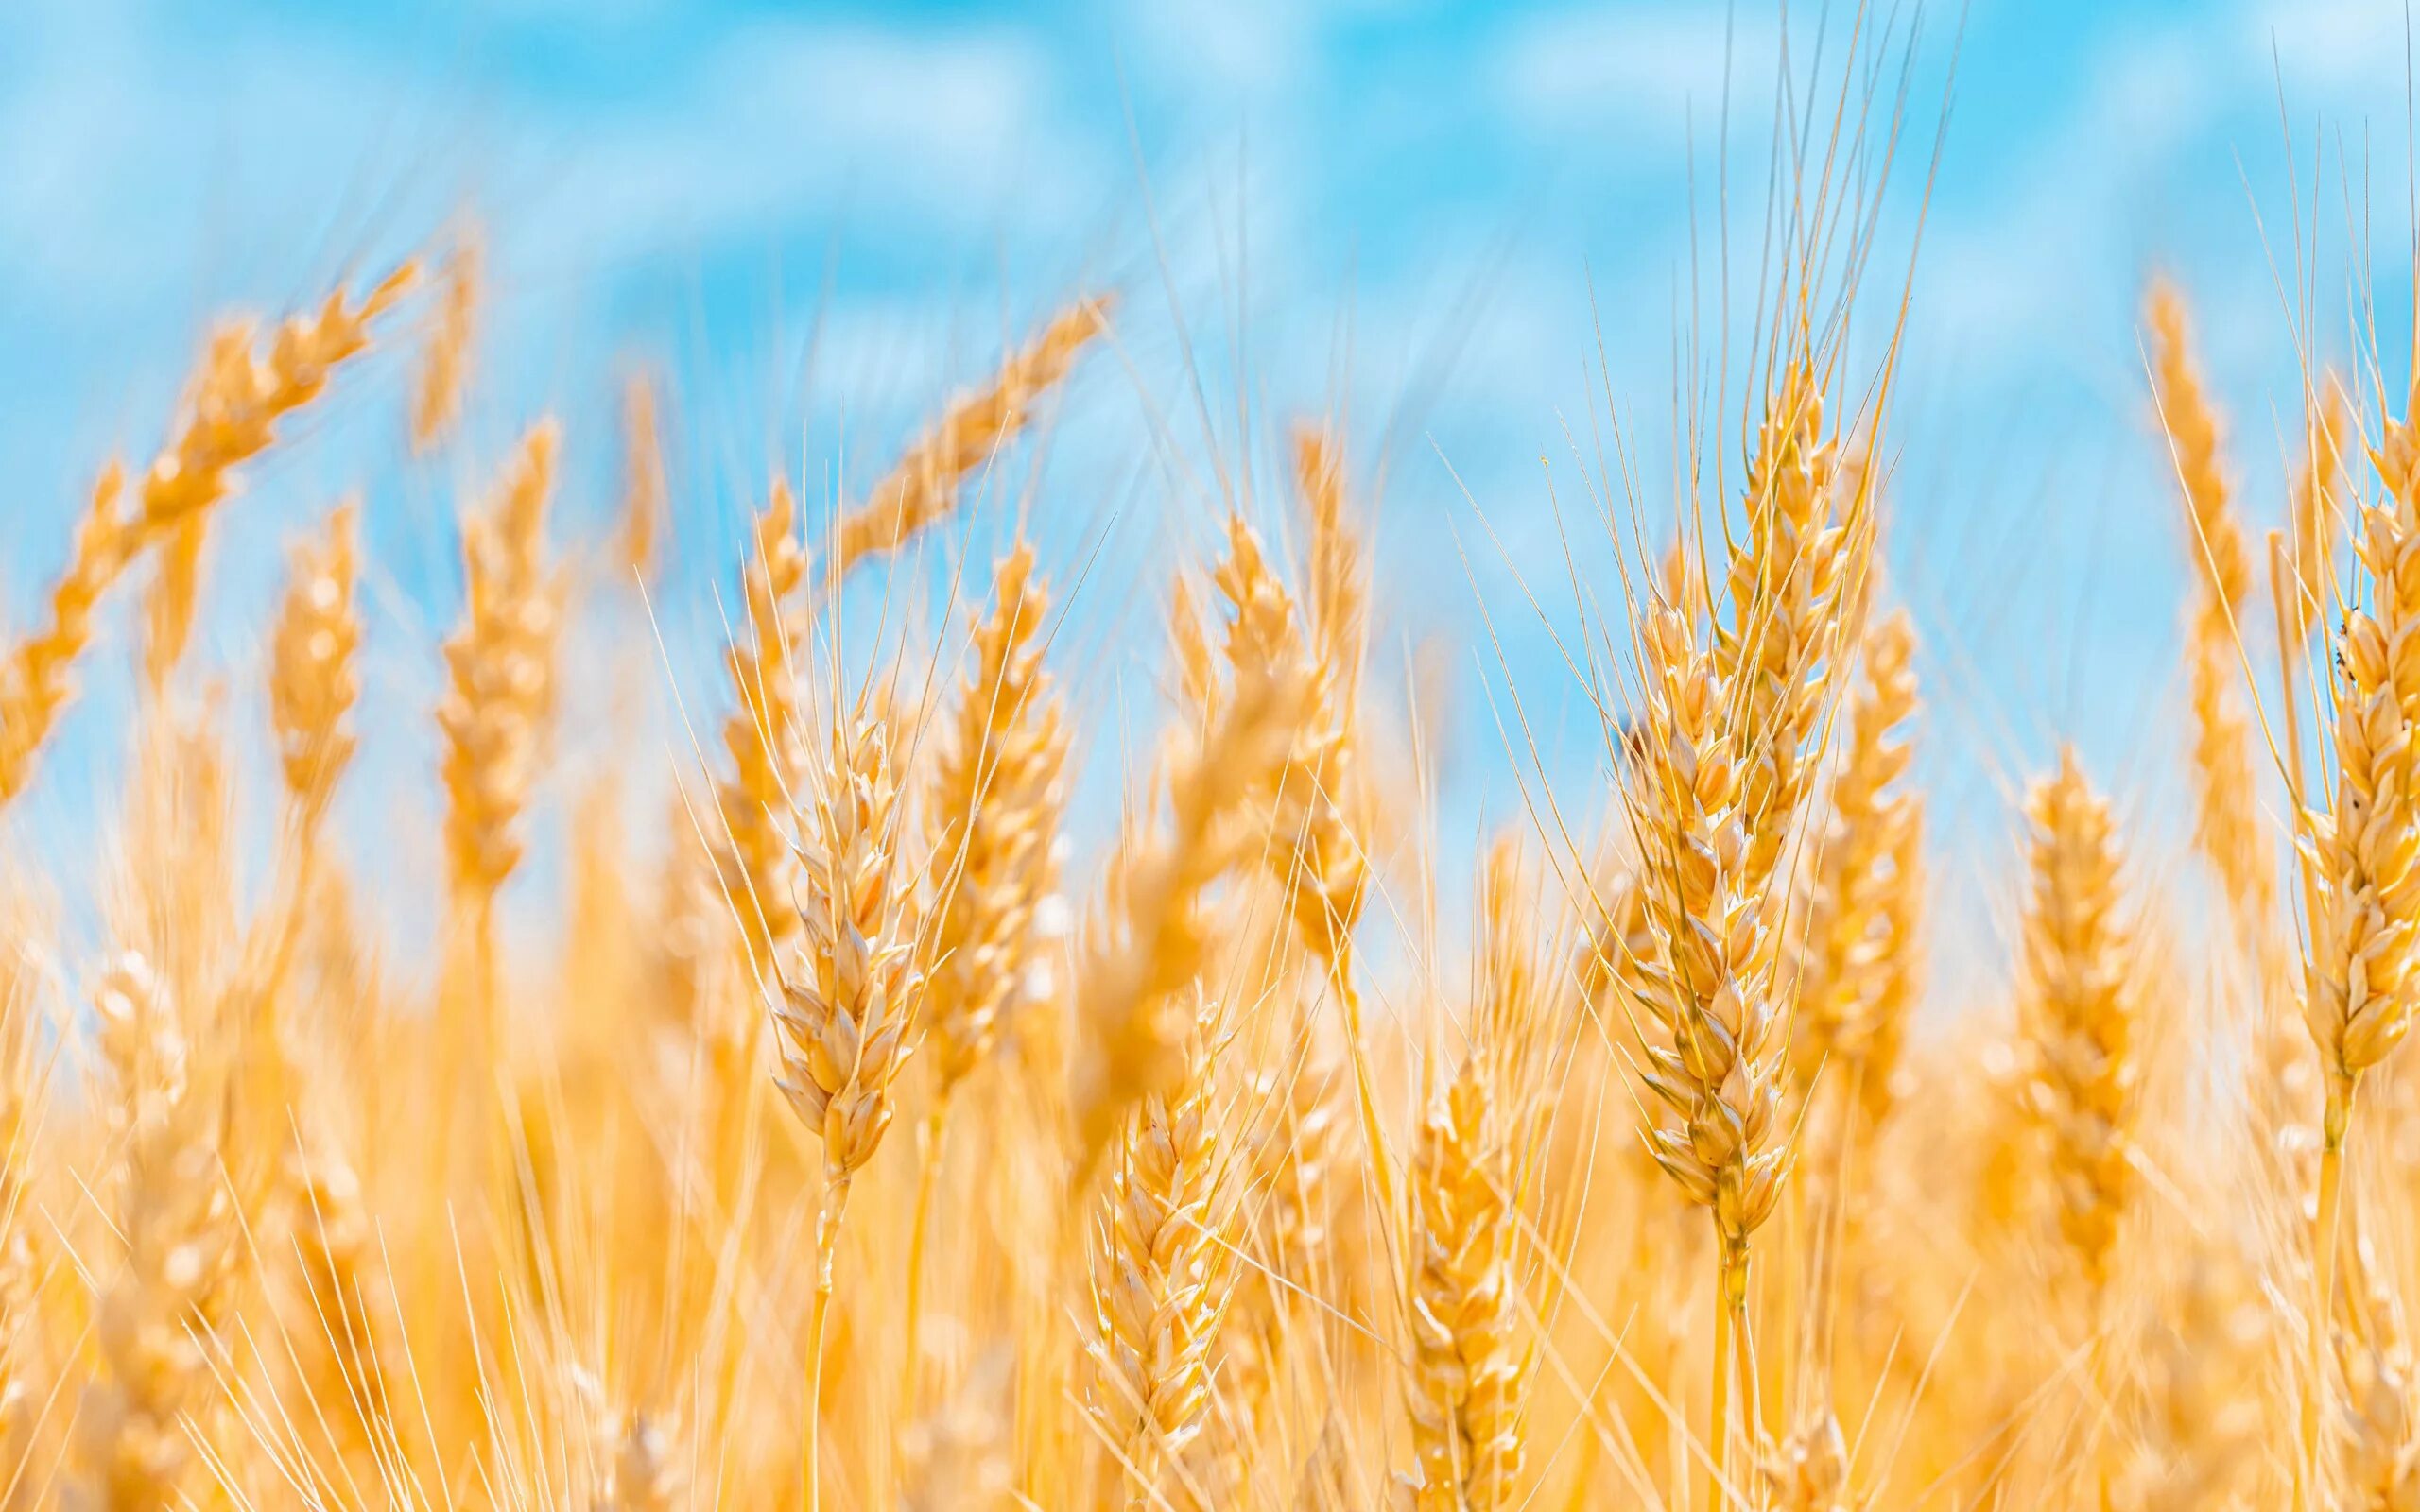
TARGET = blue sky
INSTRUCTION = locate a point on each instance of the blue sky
(1439, 214)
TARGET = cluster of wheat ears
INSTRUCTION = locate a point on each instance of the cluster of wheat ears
(864, 1142)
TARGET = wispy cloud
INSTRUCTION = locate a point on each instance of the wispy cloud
(1647, 72)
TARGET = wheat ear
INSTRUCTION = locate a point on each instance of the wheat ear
(500, 689)
(2362, 859)
(923, 487)
(1469, 1368)
(2082, 1012)
(1852, 989)
(313, 682)
(1162, 1271)
(232, 409)
(444, 371)
(762, 735)
(2227, 826)
(159, 1316)
(848, 1007)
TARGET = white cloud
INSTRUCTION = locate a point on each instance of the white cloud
(1650, 69)
(2331, 45)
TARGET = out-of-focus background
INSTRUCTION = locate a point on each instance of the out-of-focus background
(1460, 227)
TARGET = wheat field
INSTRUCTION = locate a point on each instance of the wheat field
(863, 1063)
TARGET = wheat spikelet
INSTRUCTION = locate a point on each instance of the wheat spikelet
(923, 487)
(1852, 990)
(35, 683)
(444, 373)
(500, 689)
(2360, 882)
(762, 735)
(2081, 1011)
(168, 609)
(997, 796)
(158, 1317)
(312, 680)
(1320, 864)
